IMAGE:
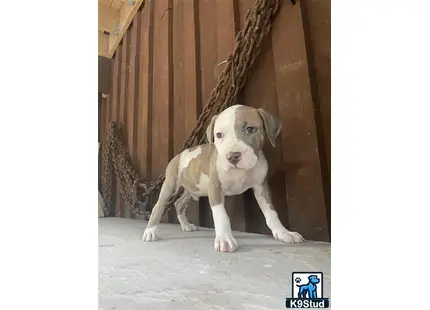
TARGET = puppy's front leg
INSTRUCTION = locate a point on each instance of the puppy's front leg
(263, 197)
(224, 241)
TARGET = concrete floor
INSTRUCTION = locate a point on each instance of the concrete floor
(183, 271)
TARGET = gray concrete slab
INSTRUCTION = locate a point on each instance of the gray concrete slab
(183, 271)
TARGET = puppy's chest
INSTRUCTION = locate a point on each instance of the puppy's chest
(235, 182)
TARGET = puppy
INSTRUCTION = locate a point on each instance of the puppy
(229, 165)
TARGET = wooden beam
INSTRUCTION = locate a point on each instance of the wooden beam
(104, 75)
(109, 18)
(103, 44)
(107, 2)
(128, 11)
(117, 4)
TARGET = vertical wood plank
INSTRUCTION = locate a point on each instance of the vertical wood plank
(144, 142)
(162, 144)
(115, 117)
(99, 127)
(123, 104)
(208, 40)
(124, 82)
(109, 99)
(306, 206)
(178, 75)
(316, 25)
(180, 106)
(108, 118)
(132, 95)
(102, 126)
(228, 24)
(191, 80)
(317, 16)
(160, 106)
(102, 123)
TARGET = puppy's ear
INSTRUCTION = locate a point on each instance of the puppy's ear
(272, 125)
(210, 129)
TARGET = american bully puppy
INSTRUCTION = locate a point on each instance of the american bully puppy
(230, 164)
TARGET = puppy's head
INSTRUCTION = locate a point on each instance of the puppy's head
(314, 279)
(238, 135)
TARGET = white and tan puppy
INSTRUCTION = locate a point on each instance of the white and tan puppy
(230, 164)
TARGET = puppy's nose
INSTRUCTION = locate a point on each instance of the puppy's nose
(234, 157)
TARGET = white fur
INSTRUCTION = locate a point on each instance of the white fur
(224, 241)
(230, 143)
(237, 181)
(150, 234)
(185, 225)
(187, 156)
(203, 185)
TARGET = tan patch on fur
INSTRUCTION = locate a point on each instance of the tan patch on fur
(182, 203)
(272, 125)
(244, 117)
(172, 167)
(166, 191)
(210, 129)
(214, 190)
(190, 176)
(247, 116)
(266, 194)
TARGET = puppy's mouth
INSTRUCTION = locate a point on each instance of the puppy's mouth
(234, 167)
(241, 166)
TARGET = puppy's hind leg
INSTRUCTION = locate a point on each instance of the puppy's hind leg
(167, 190)
(181, 206)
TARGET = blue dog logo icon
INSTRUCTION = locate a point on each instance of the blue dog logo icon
(308, 290)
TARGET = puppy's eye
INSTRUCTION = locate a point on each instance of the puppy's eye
(219, 135)
(250, 129)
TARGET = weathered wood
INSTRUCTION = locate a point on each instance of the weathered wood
(103, 46)
(316, 25)
(306, 206)
(123, 104)
(127, 13)
(108, 18)
(162, 90)
(144, 142)
(179, 104)
(117, 4)
(116, 88)
(104, 74)
(132, 94)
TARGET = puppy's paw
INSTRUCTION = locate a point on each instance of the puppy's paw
(150, 234)
(287, 236)
(189, 227)
(225, 243)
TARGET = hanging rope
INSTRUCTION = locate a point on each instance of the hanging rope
(138, 193)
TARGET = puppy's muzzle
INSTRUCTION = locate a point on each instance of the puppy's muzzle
(234, 157)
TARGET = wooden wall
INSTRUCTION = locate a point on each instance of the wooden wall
(166, 67)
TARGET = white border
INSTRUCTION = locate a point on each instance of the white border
(380, 139)
(380, 153)
(48, 156)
